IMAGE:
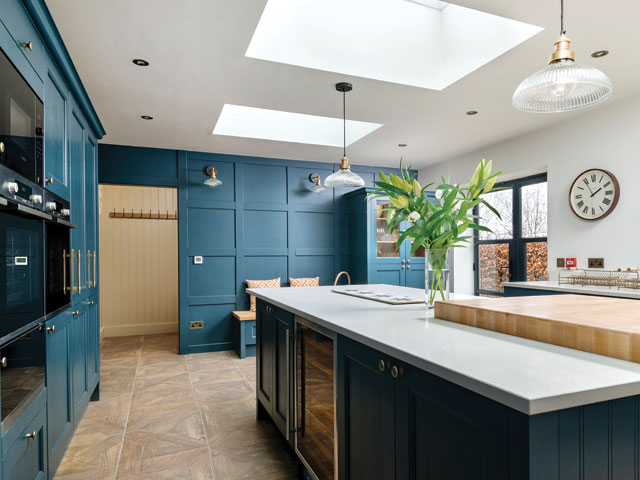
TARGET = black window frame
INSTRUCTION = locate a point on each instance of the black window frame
(517, 244)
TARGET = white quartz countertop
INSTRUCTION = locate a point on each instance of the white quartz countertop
(587, 290)
(526, 375)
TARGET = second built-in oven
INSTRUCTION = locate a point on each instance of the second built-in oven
(59, 275)
(315, 399)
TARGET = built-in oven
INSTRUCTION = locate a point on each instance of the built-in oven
(21, 124)
(21, 254)
(22, 376)
(315, 399)
(58, 254)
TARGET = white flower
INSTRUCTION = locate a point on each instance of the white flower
(439, 194)
(414, 217)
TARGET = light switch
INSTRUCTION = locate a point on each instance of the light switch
(197, 259)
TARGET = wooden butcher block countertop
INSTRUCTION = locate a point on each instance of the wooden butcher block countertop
(605, 326)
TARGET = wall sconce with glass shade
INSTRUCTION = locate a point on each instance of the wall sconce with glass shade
(212, 181)
(317, 183)
(564, 85)
(344, 177)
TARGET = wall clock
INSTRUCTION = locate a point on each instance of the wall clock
(594, 194)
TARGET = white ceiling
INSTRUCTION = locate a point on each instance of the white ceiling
(197, 53)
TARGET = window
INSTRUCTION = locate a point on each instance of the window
(516, 249)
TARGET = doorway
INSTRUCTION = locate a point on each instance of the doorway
(138, 260)
(516, 249)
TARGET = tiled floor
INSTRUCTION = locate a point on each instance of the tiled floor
(166, 416)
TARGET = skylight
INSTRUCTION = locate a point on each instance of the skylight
(251, 122)
(423, 43)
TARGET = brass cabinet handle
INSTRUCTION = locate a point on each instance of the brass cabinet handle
(381, 365)
(402, 261)
(28, 45)
(76, 313)
(72, 288)
(409, 261)
(408, 267)
(32, 435)
(1, 147)
(396, 372)
(4, 362)
(95, 280)
(402, 267)
(51, 329)
(49, 180)
(79, 274)
(91, 302)
(89, 282)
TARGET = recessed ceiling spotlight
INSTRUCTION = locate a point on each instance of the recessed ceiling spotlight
(402, 144)
(472, 112)
(600, 53)
(140, 62)
(146, 117)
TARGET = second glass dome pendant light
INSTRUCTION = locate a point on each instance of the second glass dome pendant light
(344, 177)
(564, 85)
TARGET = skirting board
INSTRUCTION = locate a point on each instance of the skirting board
(141, 329)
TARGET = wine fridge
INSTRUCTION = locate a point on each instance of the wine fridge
(315, 395)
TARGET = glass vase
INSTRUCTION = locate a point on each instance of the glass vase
(436, 276)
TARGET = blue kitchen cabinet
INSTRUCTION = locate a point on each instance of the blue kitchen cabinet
(59, 406)
(56, 100)
(93, 344)
(274, 362)
(78, 358)
(24, 444)
(90, 205)
(76, 149)
(374, 255)
(397, 421)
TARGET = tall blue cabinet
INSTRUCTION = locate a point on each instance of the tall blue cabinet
(33, 446)
(375, 257)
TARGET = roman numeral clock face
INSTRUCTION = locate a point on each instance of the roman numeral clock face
(594, 194)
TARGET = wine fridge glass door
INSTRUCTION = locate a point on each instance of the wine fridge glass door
(315, 401)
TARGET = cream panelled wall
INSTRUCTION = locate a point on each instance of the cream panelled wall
(138, 262)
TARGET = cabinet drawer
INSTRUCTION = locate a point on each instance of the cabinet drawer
(22, 30)
(26, 448)
(250, 332)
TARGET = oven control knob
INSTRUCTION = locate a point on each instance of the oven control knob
(65, 212)
(36, 198)
(12, 187)
(51, 205)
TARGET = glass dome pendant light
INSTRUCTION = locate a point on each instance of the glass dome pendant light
(564, 85)
(344, 177)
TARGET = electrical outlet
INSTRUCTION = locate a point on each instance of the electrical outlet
(596, 263)
(197, 260)
(560, 262)
(196, 325)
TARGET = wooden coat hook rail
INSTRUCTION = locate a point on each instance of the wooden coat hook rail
(143, 215)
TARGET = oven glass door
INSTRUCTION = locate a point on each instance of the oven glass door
(315, 401)
(22, 375)
(21, 271)
(57, 246)
(20, 124)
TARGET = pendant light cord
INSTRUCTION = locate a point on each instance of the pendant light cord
(562, 30)
(344, 124)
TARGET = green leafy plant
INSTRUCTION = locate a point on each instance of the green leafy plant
(437, 225)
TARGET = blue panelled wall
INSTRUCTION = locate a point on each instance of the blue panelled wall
(262, 222)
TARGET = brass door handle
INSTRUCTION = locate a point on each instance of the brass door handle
(32, 435)
(396, 372)
(28, 45)
(402, 267)
(4, 362)
(1, 147)
(91, 302)
(95, 280)
(49, 180)
(402, 261)
(79, 273)
(408, 267)
(51, 329)
(409, 261)
(76, 313)
(381, 365)
(89, 282)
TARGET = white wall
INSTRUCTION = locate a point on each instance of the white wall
(606, 137)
